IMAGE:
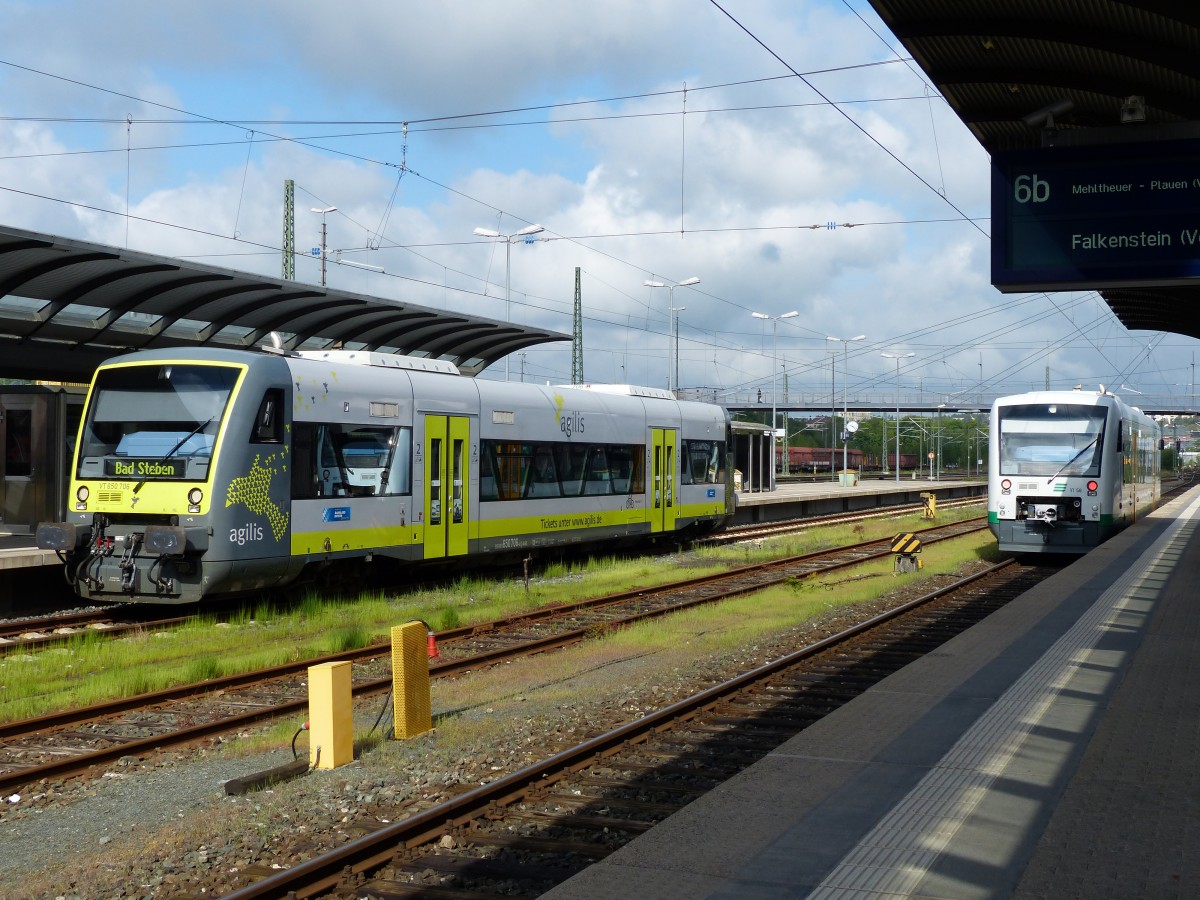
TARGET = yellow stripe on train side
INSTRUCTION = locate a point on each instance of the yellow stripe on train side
(314, 542)
(574, 521)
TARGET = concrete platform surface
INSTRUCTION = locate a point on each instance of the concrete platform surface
(1049, 752)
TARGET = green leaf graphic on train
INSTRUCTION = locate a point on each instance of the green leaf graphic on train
(307, 396)
(253, 491)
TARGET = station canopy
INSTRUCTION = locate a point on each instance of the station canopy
(67, 305)
(1023, 74)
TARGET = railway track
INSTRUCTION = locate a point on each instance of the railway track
(21, 635)
(530, 830)
(33, 633)
(791, 526)
(70, 742)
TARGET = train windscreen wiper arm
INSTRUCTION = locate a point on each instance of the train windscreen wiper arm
(183, 440)
(1073, 459)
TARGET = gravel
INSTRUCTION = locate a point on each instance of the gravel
(164, 827)
(129, 800)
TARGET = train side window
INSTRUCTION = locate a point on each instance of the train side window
(268, 422)
(638, 475)
(397, 480)
(18, 436)
(622, 462)
(306, 481)
(599, 481)
(487, 473)
(362, 455)
(571, 459)
(507, 469)
(701, 461)
(543, 480)
(334, 460)
(18, 442)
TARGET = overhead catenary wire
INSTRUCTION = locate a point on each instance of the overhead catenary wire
(437, 122)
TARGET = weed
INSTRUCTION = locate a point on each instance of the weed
(312, 605)
(348, 637)
(203, 668)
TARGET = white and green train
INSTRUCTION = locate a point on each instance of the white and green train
(1067, 469)
(210, 472)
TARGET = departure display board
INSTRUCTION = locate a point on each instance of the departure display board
(1110, 215)
(131, 467)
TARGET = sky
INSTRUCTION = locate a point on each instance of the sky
(785, 152)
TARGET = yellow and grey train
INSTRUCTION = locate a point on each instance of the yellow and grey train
(1067, 469)
(211, 472)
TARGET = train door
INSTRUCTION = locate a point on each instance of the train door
(664, 447)
(22, 485)
(1135, 472)
(38, 429)
(447, 503)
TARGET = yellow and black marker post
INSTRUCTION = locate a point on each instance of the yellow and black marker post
(906, 547)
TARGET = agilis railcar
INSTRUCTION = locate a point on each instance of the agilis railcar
(1067, 469)
(209, 472)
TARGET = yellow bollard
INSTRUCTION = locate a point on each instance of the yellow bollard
(330, 716)
(410, 679)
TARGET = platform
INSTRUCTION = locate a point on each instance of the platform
(20, 552)
(1048, 752)
(800, 499)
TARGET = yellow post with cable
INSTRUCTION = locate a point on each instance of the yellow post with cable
(410, 679)
(330, 716)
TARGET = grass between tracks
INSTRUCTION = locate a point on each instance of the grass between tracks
(643, 666)
(91, 669)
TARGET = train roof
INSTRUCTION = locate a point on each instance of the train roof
(1078, 397)
(66, 306)
(626, 390)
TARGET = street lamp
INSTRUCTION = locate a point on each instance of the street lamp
(508, 242)
(774, 372)
(845, 342)
(324, 212)
(941, 406)
(675, 311)
(897, 357)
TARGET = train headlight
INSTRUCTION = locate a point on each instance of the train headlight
(81, 496)
(165, 540)
(195, 495)
(1006, 485)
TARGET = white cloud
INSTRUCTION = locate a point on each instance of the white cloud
(741, 183)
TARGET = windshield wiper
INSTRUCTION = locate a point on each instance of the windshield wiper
(1072, 460)
(183, 440)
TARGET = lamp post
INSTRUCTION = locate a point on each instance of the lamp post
(941, 406)
(675, 311)
(774, 371)
(845, 342)
(508, 242)
(324, 212)
(897, 357)
(833, 414)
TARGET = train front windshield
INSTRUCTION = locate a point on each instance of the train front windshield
(154, 422)
(1051, 439)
